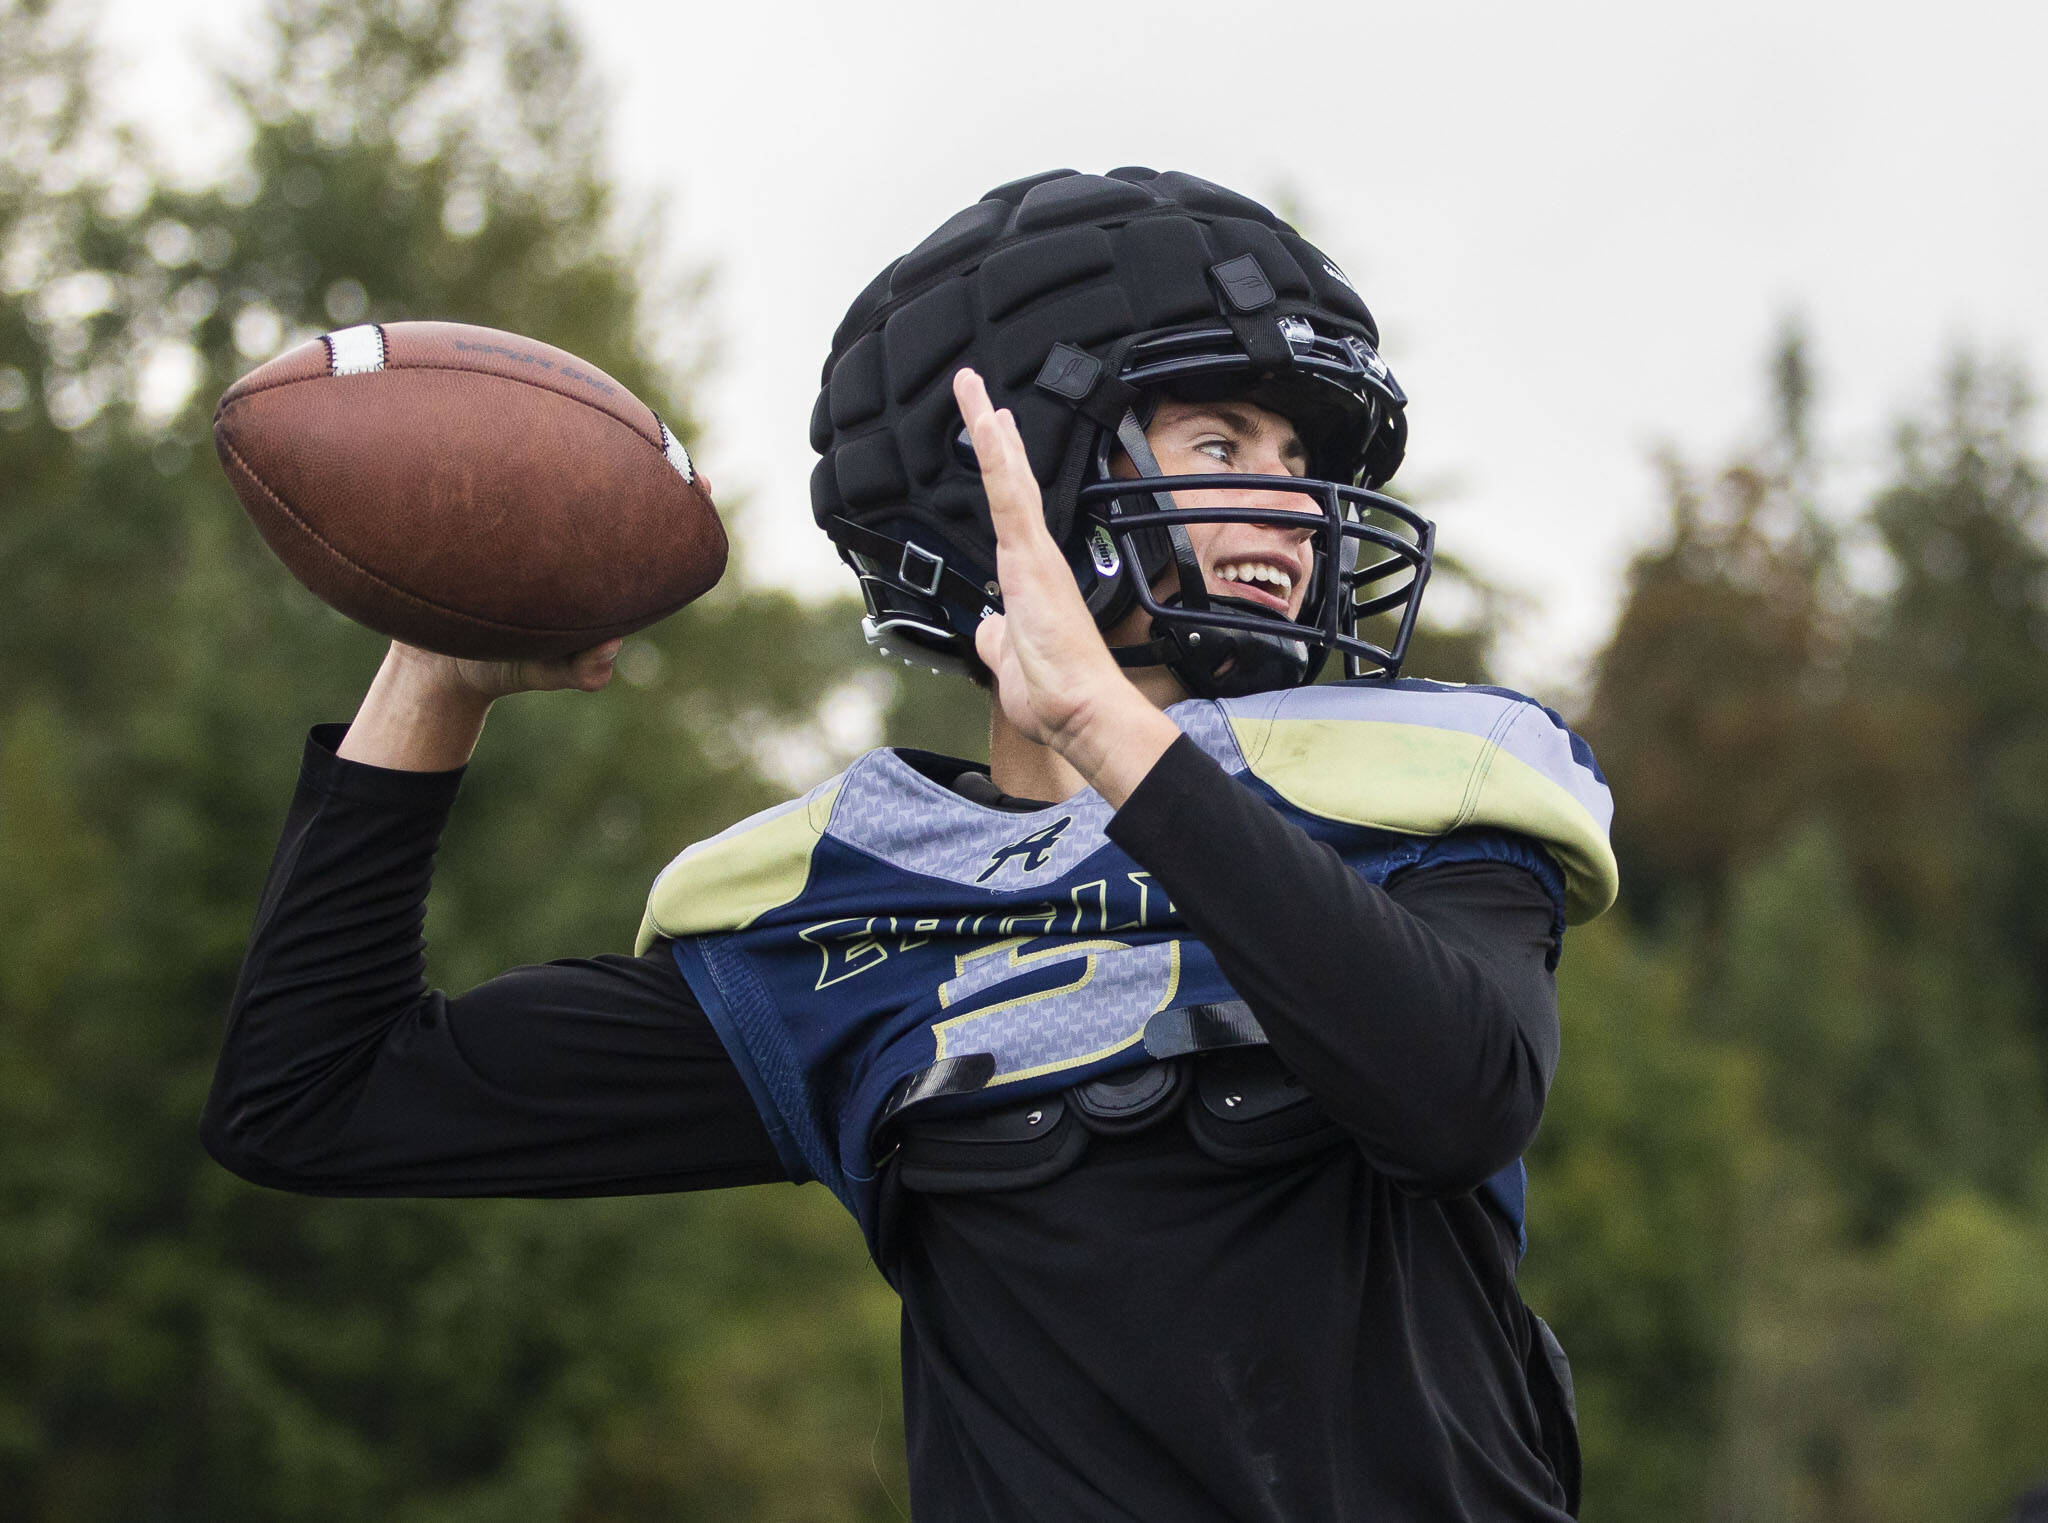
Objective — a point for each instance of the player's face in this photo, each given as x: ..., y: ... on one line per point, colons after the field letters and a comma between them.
x: 1264, y: 564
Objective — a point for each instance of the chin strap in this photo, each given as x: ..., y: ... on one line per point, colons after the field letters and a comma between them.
x: 1193, y: 589
x: 1157, y: 651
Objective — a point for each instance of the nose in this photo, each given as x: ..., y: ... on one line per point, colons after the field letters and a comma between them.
x: 1299, y: 505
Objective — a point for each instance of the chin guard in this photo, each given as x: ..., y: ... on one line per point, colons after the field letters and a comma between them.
x: 1215, y: 662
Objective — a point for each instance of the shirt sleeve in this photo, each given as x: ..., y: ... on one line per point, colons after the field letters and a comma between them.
x: 1423, y: 1015
x: 342, y: 1073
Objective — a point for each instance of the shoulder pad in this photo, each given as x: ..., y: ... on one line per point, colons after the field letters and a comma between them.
x: 738, y: 875
x: 1427, y: 758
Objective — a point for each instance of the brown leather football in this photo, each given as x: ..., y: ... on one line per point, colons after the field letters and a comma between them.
x: 468, y: 491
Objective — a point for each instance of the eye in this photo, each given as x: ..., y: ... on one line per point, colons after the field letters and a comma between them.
x: 1217, y: 449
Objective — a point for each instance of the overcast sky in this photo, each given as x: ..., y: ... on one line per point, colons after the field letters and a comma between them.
x: 1580, y: 225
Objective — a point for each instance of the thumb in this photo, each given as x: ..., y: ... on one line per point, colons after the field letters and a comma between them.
x: 990, y: 637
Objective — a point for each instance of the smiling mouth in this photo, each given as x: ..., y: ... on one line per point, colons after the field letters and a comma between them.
x: 1267, y: 586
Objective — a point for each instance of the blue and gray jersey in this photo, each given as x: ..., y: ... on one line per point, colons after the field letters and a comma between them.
x: 884, y: 942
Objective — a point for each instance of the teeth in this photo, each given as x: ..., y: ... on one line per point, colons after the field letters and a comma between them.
x: 1253, y: 571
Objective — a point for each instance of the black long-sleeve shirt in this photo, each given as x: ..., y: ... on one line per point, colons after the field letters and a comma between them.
x: 1154, y: 1334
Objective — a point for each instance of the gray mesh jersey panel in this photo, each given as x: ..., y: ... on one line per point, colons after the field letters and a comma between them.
x: 892, y: 812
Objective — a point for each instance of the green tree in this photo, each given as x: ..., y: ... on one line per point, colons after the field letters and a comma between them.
x: 181, y: 1344
x: 1956, y: 659
x: 1647, y: 1149
x: 1901, y: 1070
x: 1959, y: 1433
x: 1820, y: 794
x: 1712, y: 696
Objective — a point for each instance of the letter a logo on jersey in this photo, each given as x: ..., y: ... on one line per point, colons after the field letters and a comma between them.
x: 1034, y: 849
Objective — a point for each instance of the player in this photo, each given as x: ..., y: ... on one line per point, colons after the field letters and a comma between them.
x: 1177, y: 1065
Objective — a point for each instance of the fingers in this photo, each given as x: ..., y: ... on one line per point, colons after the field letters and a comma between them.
x: 588, y: 670
x: 592, y: 669
x: 997, y: 445
x: 975, y: 411
x: 585, y: 670
x: 1015, y: 505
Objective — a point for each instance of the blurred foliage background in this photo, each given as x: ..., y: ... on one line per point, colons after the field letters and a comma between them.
x: 1790, y: 1202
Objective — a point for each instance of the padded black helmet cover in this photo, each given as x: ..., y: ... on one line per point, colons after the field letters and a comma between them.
x: 1097, y: 264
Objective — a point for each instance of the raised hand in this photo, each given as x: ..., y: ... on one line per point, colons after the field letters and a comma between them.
x: 1055, y: 679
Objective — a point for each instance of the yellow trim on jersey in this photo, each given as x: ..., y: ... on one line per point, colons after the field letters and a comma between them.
x: 729, y: 881
x: 1419, y: 780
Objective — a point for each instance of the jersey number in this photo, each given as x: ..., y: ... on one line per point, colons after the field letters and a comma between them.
x: 1115, y: 989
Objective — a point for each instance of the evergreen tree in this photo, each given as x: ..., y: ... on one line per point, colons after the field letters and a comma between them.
x: 1956, y: 659
x: 181, y: 1344
x: 1647, y: 1147
x: 1711, y: 699
x: 1817, y: 790
x: 1788, y: 1205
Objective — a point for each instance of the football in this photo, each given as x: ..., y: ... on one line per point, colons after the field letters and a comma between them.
x: 468, y: 491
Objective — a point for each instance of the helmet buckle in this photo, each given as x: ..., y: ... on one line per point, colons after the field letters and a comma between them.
x: 930, y: 568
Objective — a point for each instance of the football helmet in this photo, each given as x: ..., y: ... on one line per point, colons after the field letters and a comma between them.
x: 1081, y: 300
